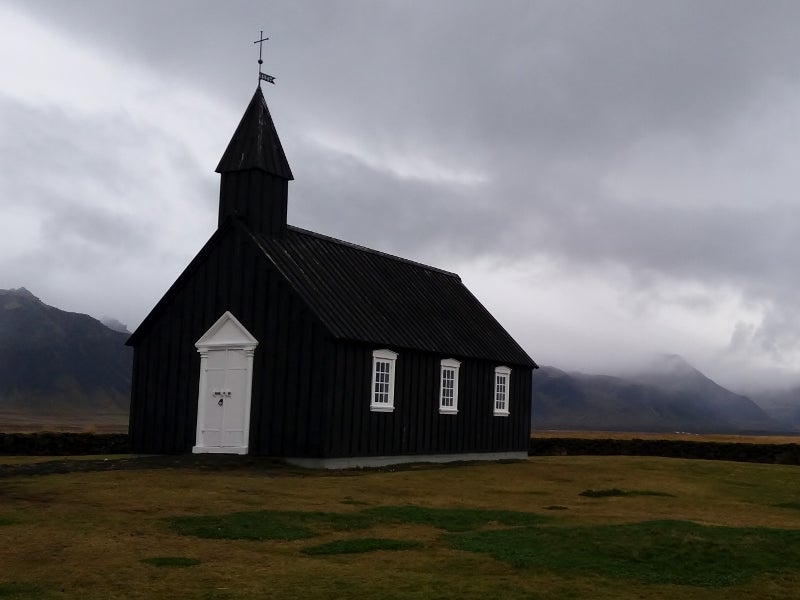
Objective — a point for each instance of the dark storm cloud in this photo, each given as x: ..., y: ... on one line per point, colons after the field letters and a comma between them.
x: 544, y: 102
x: 354, y: 201
x: 526, y: 90
x: 470, y: 78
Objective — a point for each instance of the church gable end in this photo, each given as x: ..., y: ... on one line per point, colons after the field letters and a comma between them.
x: 229, y: 275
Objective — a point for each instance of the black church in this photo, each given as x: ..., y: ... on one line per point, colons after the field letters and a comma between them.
x: 277, y: 341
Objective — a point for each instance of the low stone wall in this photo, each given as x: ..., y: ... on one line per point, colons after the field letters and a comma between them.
x: 63, y: 444
x: 784, y: 454
x: 73, y: 444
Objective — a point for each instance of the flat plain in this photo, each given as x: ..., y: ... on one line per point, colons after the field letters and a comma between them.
x: 545, y: 528
x: 69, y: 421
x: 719, y: 438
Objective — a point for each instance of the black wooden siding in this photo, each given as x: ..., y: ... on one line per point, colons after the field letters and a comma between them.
x: 257, y: 198
x: 285, y: 418
x: 416, y: 426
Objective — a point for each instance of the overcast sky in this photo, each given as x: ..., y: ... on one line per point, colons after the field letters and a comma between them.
x: 611, y: 178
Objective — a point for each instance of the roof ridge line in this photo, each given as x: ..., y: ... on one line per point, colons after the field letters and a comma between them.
x: 371, y: 250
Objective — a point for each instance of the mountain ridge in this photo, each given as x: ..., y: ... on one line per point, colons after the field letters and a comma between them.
x: 55, y: 363
x: 666, y: 395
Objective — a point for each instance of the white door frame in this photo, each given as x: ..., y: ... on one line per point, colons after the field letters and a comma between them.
x: 226, y: 334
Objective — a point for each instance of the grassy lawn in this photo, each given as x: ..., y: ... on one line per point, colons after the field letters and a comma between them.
x: 545, y: 528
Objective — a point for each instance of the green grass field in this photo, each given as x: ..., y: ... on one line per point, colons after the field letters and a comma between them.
x: 546, y: 528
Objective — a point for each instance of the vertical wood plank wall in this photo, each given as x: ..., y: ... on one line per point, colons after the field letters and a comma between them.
x: 416, y: 426
x: 167, y: 366
x: 257, y: 197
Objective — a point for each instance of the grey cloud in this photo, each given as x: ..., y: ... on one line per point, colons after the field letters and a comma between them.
x: 776, y: 334
x: 348, y: 199
x: 546, y: 98
x: 468, y: 78
x: 91, y: 211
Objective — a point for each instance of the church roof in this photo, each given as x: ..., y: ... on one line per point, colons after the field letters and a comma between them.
x: 368, y: 296
x: 364, y: 295
x: 255, y: 143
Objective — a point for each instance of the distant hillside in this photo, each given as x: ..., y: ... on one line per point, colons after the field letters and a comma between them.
x: 669, y: 395
x: 781, y: 405
x: 57, y: 365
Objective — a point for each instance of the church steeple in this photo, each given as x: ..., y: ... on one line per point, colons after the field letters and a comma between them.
x: 255, y: 172
x: 255, y: 144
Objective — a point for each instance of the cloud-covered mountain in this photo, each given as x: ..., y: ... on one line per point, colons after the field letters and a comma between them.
x: 59, y: 365
x: 782, y: 405
x: 666, y: 395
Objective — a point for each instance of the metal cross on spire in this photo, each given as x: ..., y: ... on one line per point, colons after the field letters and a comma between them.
x: 262, y: 76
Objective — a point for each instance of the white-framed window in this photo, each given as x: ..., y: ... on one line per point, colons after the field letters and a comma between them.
x: 382, y: 396
x: 448, y: 387
x: 502, y: 383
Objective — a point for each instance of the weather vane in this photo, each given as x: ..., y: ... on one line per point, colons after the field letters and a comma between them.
x: 262, y: 76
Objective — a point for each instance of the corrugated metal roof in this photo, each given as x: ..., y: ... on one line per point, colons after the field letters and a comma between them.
x: 369, y: 296
x: 255, y: 143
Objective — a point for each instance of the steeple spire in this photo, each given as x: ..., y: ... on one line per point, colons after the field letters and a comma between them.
x: 254, y: 170
x: 255, y: 144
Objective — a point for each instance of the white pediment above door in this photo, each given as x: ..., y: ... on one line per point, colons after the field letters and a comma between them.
x: 227, y: 332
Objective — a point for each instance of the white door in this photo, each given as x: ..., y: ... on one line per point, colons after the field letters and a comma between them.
x: 226, y: 385
x: 226, y: 375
